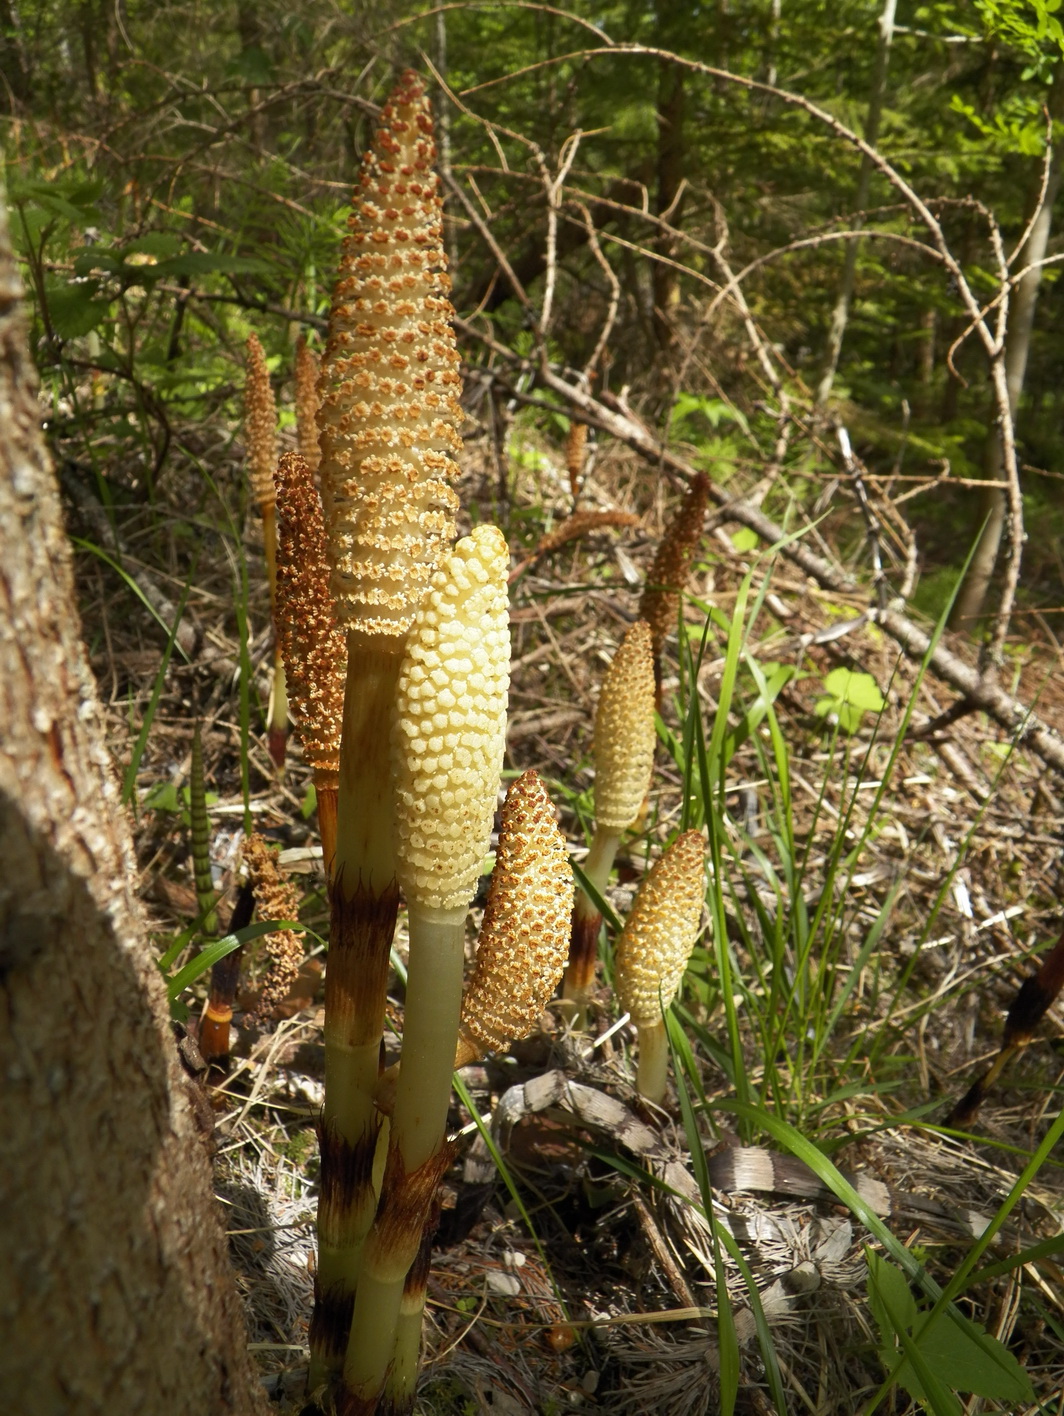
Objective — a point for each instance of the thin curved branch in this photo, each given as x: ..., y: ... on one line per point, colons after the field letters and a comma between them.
x: 984, y: 694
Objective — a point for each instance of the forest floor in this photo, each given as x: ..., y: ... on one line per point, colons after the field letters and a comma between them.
x: 961, y: 860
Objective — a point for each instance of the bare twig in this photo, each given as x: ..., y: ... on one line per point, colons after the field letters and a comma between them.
x: 992, y: 340
x: 1008, y: 712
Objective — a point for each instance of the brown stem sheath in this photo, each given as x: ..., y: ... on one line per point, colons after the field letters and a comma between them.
x: 583, y: 945
x: 326, y: 789
x: 583, y: 950
x: 401, y: 1387
x: 364, y: 898
x: 225, y: 979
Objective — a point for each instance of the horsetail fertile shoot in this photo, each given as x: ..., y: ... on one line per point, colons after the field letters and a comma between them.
x: 312, y: 643
x: 624, y: 760
x: 660, y: 603
x: 276, y: 897
x: 654, y: 948
x: 448, y: 744
x: 260, y: 431
x: 388, y: 417
x: 524, y: 937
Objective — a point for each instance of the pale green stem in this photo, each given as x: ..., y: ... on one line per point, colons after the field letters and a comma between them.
x: 402, y: 1378
x: 599, y: 862
x: 430, y: 1031
x: 419, y: 1125
x: 652, y: 1071
x: 373, y: 1327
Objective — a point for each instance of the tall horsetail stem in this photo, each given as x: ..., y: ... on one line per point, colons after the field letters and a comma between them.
x: 660, y: 603
x: 654, y: 948
x: 448, y: 744
x: 388, y: 418
x: 312, y: 642
x: 520, y: 957
x: 260, y: 432
x: 624, y: 762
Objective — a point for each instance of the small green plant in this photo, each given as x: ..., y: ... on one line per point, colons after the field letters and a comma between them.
x: 848, y: 696
x: 934, y: 1356
x: 169, y: 797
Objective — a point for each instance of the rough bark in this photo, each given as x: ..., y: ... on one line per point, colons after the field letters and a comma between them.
x: 115, y: 1291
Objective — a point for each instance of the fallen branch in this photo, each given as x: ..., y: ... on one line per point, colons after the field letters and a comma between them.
x: 1015, y: 717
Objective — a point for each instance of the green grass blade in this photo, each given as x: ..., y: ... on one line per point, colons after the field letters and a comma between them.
x: 209, y: 956
x: 129, y: 780
x: 135, y: 588
x: 685, y: 1069
x: 942, y: 1298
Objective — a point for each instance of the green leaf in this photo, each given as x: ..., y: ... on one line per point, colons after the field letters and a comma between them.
x: 162, y: 797
x: 969, y: 1361
x: 161, y: 244
x: 849, y: 717
x: 745, y: 540
x: 983, y: 1368
x: 253, y: 65
x: 98, y: 258
x: 74, y: 202
x: 197, y: 966
x: 860, y: 690
x: 891, y: 1301
x: 72, y: 310
x: 201, y: 263
x: 208, y: 957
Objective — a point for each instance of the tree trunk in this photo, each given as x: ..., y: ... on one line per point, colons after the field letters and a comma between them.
x: 15, y: 84
x: 841, y: 313
x: 993, y: 503
x: 115, y: 1291
x: 666, y: 277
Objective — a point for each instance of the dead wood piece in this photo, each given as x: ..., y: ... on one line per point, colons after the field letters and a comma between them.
x: 988, y: 697
x: 556, y: 1094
